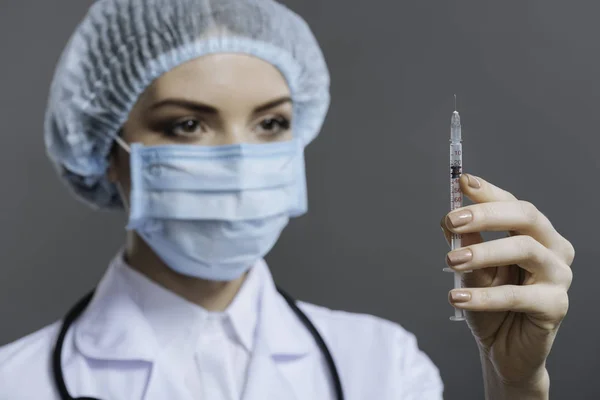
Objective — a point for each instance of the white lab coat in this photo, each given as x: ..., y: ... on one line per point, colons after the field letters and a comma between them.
x: 110, y: 354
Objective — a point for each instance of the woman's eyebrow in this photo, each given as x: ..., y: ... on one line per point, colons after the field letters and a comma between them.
x: 188, y: 104
x: 205, y: 108
x: 272, y: 104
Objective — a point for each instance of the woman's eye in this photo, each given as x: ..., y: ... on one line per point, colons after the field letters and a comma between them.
x: 274, y: 125
x: 186, y: 127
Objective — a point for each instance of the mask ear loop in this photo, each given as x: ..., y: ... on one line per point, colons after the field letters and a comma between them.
x: 125, y: 147
x: 123, y: 144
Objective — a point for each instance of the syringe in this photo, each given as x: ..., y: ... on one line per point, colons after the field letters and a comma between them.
x: 456, y: 197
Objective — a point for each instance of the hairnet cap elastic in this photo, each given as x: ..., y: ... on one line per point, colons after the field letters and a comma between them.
x: 121, y: 46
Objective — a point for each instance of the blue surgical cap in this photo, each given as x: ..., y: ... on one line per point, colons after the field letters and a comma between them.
x: 122, y: 46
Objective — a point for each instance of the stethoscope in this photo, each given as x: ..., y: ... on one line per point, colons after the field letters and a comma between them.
x: 81, y: 305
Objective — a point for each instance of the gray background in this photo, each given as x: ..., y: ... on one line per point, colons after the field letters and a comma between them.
x: 526, y: 75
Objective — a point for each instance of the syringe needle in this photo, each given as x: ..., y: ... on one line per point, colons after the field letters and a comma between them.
x: 455, y: 102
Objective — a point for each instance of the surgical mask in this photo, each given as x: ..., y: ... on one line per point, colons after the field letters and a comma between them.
x: 212, y: 211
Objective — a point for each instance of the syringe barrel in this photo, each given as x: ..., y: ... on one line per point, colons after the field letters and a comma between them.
x: 455, y: 130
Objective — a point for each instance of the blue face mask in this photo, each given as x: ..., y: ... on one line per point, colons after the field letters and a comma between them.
x: 212, y: 211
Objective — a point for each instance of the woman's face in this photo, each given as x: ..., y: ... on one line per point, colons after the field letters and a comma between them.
x: 213, y: 100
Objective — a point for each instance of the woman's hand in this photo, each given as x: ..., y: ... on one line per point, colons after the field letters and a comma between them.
x: 516, y: 296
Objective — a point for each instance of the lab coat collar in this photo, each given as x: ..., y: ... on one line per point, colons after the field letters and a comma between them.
x: 282, y: 331
x: 173, y: 317
x: 114, y: 328
x: 243, y: 310
x: 280, y: 336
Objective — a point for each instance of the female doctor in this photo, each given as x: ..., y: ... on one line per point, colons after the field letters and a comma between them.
x: 192, y: 115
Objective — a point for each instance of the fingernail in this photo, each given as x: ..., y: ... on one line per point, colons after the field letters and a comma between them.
x: 460, y: 296
x: 459, y: 257
x: 473, y: 182
x: 460, y: 218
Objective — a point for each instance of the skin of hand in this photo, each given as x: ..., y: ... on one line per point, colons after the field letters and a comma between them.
x: 516, y: 297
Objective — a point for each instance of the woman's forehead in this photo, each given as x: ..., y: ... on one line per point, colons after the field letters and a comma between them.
x: 220, y: 77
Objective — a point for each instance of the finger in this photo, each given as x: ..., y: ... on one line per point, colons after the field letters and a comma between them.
x: 518, y: 216
x: 542, y: 300
x: 480, y: 191
x: 480, y: 278
x: 525, y: 251
x: 466, y: 239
